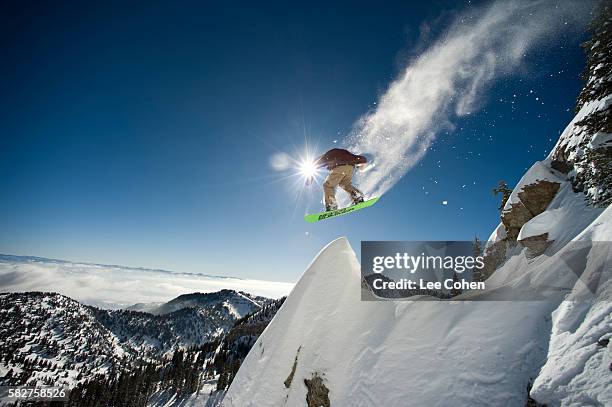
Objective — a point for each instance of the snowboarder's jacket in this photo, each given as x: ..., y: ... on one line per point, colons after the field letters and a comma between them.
x: 337, y: 157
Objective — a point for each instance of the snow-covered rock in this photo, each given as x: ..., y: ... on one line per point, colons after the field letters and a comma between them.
x: 498, y: 234
x: 579, y: 361
x: 566, y: 216
x: 531, y: 196
x: 399, y: 353
x: 540, y: 171
x: 574, y: 137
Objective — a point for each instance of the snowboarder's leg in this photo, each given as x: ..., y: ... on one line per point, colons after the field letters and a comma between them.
x: 334, y: 178
x: 346, y: 184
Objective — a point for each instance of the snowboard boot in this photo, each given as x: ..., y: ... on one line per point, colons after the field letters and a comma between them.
x: 358, y: 200
x: 331, y: 207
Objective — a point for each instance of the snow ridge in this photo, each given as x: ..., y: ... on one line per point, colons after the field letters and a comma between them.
x: 439, y: 352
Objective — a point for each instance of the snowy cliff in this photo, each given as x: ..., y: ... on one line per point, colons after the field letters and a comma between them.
x: 584, y: 150
x: 326, y: 347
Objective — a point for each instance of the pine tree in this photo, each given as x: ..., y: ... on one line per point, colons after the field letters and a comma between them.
x: 597, y: 73
x: 594, y: 169
x: 222, y: 382
x: 502, y: 188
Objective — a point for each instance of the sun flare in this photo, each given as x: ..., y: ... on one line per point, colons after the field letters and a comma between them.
x: 308, y: 168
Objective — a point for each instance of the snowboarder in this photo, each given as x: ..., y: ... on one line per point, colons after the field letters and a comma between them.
x: 341, y: 164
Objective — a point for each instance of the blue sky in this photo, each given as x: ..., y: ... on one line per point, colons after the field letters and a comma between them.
x: 142, y: 135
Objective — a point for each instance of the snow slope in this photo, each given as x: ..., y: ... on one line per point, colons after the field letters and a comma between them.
x: 540, y: 171
x: 577, y: 370
x: 415, y: 353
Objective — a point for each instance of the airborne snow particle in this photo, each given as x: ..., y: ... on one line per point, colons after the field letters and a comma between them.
x: 414, y: 111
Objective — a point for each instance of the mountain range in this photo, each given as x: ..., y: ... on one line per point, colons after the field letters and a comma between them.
x: 48, y: 338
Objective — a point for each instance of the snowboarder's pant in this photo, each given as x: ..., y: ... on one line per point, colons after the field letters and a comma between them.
x: 341, y: 175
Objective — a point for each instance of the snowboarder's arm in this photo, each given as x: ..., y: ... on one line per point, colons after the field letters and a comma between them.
x: 361, y: 159
x: 321, y: 161
x: 358, y: 159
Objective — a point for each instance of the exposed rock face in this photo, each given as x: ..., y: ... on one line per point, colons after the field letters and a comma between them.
x: 289, y: 379
x: 537, y: 197
x: 514, y: 219
x: 533, y: 200
x: 318, y: 393
x: 536, y: 244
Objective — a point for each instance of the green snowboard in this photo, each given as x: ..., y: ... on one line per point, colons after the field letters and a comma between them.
x: 315, y: 217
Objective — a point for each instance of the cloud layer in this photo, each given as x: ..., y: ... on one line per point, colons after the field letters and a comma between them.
x: 116, y: 286
x: 448, y: 80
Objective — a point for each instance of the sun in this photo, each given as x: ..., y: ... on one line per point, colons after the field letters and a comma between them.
x: 307, y: 168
